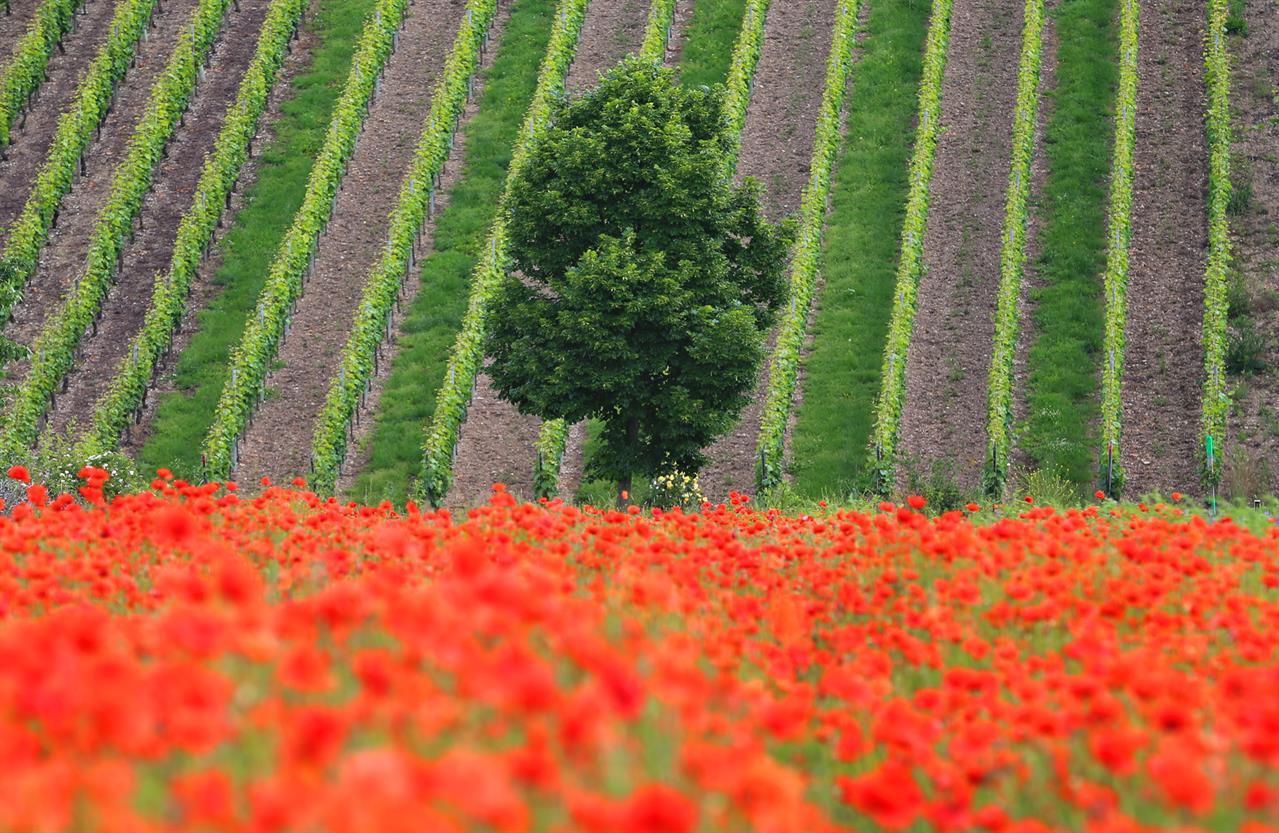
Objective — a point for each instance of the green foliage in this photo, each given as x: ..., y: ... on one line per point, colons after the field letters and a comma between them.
x: 26, y: 72
x: 859, y: 258
x: 709, y: 41
x: 1220, y: 349
x: 783, y: 373
x: 453, y: 396
x: 359, y: 359
x: 648, y: 309
x: 75, y: 131
x: 892, y: 390
x: 742, y: 61
x: 54, y: 351
x: 125, y: 395
x: 1061, y: 365
x: 1115, y: 282
x: 1012, y: 255
x: 431, y: 322
x: 252, y: 358
x: 183, y: 416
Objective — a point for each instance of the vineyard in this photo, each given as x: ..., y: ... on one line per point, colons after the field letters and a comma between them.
x: 256, y: 240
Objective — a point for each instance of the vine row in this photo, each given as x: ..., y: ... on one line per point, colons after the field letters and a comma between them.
x: 783, y: 372
x: 1012, y: 254
x: 26, y: 72
x: 1115, y: 281
x: 54, y: 351
x: 892, y: 392
x: 360, y: 355
x: 126, y: 395
x: 1216, y: 401
x: 251, y: 359
x: 65, y: 159
x: 454, y: 396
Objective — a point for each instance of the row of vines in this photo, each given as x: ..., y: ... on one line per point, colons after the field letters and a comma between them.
x: 295, y: 259
x: 455, y: 392
x: 360, y: 356
x: 1115, y: 282
x: 783, y: 374
x: 54, y: 351
x: 1216, y: 401
x: 1012, y: 255
x: 739, y: 84
x: 892, y: 392
x: 76, y: 129
x: 26, y: 71
x: 126, y: 394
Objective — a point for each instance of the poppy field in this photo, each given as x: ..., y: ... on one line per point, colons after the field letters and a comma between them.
x: 188, y: 659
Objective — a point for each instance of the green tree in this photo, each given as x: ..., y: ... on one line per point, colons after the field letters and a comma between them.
x: 646, y: 279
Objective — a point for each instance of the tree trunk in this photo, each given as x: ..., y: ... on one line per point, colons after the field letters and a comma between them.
x: 624, y: 482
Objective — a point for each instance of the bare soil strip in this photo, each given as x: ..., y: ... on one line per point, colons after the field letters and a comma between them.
x: 1163, y: 362
x: 496, y: 444
x: 278, y: 441
x: 14, y: 25
x: 1252, y: 448
x: 943, y: 422
x: 62, y: 257
x: 358, y: 456
x: 33, y: 133
x: 777, y: 146
x: 162, y: 212
x: 203, y: 286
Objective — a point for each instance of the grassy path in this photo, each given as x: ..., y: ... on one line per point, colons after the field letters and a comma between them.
x: 842, y: 373
x: 184, y: 412
x: 1063, y: 365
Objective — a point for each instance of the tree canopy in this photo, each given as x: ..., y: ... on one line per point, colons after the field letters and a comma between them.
x: 645, y: 279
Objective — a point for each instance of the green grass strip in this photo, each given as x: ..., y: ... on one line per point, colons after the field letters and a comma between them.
x: 433, y: 319
x: 26, y: 72
x: 453, y: 398
x: 1062, y: 369
x: 124, y: 398
x: 1115, y: 281
x: 892, y: 390
x: 783, y: 374
x: 75, y: 131
x: 1012, y: 254
x: 371, y: 328
x: 553, y: 437
x: 251, y: 360
x: 859, y: 258
x: 1216, y: 400
x: 709, y: 40
x: 183, y: 416
x: 54, y: 351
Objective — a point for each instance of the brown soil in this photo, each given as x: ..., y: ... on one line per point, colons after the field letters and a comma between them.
x: 175, y: 184
x: 943, y: 423
x: 14, y: 25
x: 1038, y: 179
x: 1163, y: 366
x: 32, y: 135
x: 496, y: 444
x: 63, y: 255
x: 1252, y: 449
x: 777, y: 146
x: 278, y: 442
x: 203, y: 287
